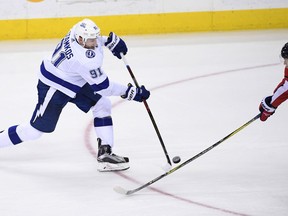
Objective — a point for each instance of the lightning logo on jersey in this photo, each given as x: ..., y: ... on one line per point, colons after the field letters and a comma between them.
x: 40, y: 112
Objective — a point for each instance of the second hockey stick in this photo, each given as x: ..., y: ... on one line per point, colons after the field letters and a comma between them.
x: 148, y: 110
x: 129, y: 192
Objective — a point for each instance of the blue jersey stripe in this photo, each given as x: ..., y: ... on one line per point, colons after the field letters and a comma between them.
x: 101, y: 86
x: 58, y: 80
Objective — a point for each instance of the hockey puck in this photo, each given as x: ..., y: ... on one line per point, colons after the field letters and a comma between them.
x: 176, y: 159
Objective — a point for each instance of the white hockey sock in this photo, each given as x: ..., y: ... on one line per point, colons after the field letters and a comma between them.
x: 4, y: 139
x: 17, y: 134
x: 105, y: 134
x: 104, y: 130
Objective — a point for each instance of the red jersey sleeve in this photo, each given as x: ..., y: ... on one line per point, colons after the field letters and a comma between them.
x: 281, y: 92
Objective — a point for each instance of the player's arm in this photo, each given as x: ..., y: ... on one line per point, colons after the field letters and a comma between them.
x: 269, y: 104
x: 280, y: 93
x: 126, y: 92
x: 101, y: 84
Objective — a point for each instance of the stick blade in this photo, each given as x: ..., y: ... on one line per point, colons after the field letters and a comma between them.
x: 120, y: 190
x: 167, y: 167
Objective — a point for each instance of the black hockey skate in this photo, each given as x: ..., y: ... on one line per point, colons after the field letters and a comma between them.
x: 109, y: 161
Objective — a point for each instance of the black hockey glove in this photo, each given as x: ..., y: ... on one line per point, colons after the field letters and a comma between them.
x: 116, y: 45
x: 137, y: 94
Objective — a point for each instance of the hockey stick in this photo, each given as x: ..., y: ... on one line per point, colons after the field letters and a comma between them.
x: 148, y: 110
x: 128, y: 192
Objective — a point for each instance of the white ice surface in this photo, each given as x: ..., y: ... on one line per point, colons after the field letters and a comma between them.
x: 203, y: 86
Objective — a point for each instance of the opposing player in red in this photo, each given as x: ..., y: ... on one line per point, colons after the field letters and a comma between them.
x: 270, y: 103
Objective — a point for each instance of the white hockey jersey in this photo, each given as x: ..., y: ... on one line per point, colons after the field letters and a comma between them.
x: 71, y: 66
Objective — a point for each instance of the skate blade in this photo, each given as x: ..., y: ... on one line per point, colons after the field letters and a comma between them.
x: 109, y: 167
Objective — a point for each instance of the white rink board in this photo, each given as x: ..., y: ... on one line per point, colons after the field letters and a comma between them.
x: 19, y: 9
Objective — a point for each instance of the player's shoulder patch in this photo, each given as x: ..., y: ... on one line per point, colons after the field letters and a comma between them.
x: 90, y: 54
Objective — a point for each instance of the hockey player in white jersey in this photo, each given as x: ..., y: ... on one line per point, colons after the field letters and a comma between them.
x: 74, y: 74
x: 269, y: 104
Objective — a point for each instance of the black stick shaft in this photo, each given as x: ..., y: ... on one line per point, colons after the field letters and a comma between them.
x: 193, y: 158
x: 148, y: 110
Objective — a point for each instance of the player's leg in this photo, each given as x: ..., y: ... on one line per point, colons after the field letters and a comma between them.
x: 48, y: 109
x: 17, y: 134
x: 44, y: 119
x: 103, y: 126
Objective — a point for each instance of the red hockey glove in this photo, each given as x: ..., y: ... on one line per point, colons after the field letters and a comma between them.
x: 266, y: 109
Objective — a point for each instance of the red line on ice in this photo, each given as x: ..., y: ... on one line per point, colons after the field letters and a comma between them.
x: 93, y: 151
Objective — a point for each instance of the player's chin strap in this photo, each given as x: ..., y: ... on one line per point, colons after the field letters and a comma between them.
x: 148, y: 110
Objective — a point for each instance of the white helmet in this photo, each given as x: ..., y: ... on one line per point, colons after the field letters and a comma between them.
x: 86, y: 29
